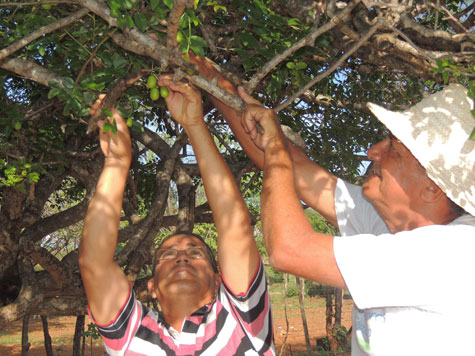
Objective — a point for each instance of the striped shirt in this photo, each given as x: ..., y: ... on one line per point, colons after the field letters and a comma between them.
x: 231, y: 325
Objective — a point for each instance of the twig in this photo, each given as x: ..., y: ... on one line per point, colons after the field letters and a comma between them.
x: 403, y: 35
x: 333, y: 67
x: 35, y: 3
x: 93, y: 54
x: 306, y: 41
x: 42, y: 31
x: 450, y: 16
x: 113, y: 95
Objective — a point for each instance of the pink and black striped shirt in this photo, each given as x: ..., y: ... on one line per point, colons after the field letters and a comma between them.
x: 232, y: 325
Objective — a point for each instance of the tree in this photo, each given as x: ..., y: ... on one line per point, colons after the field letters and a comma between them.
x: 316, y: 62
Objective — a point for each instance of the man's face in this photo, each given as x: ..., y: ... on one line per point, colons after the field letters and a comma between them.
x: 190, y: 271
x: 396, y: 180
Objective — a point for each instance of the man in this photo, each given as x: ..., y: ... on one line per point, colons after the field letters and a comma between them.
x: 202, y: 311
x: 406, y: 254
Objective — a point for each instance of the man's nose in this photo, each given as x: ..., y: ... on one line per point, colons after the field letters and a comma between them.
x: 376, y: 151
x: 181, y: 256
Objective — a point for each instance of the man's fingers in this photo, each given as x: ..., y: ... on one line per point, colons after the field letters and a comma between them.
x: 247, y: 98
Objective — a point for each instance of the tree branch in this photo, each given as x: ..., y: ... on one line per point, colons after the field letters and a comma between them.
x: 333, y: 67
x: 42, y: 31
x: 308, y: 40
x: 31, y: 70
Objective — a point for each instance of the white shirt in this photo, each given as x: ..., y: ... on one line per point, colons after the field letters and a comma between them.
x: 412, y: 290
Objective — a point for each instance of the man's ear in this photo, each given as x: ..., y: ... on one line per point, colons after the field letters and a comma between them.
x: 217, y: 278
x: 151, y: 288
x: 431, y: 193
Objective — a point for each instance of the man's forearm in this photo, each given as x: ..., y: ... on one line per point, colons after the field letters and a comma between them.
x: 99, y: 238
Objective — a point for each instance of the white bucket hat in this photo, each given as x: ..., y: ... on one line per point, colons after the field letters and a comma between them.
x: 436, y: 131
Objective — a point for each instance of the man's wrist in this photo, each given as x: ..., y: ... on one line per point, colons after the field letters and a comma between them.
x: 118, y: 163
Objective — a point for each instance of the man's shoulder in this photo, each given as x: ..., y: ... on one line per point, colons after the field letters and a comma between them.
x: 465, y: 219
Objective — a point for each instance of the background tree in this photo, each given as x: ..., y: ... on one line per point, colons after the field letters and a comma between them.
x: 315, y: 62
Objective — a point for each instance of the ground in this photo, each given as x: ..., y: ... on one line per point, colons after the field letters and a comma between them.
x: 62, y: 330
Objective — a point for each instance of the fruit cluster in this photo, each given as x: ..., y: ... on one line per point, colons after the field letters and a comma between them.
x: 155, y: 91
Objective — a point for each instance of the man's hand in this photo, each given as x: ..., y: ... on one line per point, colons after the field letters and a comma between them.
x: 116, y: 148
x: 257, y: 115
x: 183, y: 101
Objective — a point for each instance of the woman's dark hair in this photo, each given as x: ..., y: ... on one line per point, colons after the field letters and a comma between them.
x: 212, y: 258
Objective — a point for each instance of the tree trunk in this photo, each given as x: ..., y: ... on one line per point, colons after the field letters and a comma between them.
x: 300, y: 289
x: 332, y: 340
x: 78, y: 332
x: 25, y: 345
x: 284, y: 343
x: 338, y: 306
x: 48, y: 346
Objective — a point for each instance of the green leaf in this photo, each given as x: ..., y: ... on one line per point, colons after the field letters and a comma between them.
x: 472, y: 135
x: 300, y: 65
x: 41, y: 51
x: 197, y: 44
x: 114, y: 128
x: 122, y: 22
x: 446, y: 77
x: 33, y: 177
x: 154, y: 4
x: 168, y: 3
x: 107, y: 112
x: 106, y: 127
x: 118, y: 61
x: 53, y: 92
x: 248, y: 40
x: 68, y: 82
x: 141, y: 21
x: 130, y: 20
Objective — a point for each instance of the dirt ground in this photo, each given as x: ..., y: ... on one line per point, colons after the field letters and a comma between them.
x: 62, y: 331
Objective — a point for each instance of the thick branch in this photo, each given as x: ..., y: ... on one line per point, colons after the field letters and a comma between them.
x: 174, y: 21
x: 29, y: 295
x: 31, y: 70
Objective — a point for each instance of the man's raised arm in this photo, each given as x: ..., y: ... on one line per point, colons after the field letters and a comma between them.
x: 238, y: 255
x: 106, y: 285
x: 314, y: 185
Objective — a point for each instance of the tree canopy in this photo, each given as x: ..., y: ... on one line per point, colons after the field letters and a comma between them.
x: 317, y: 63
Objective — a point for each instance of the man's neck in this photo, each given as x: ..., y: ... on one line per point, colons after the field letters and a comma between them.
x: 177, y: 309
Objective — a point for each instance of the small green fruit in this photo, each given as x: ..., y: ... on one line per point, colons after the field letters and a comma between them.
x: 179, y: 37
x: 130, y: 122
x: 17, y: 125
x: 164, y: 92
x: 290, y: 65
x: 154, y: 94
x: 151, y: 81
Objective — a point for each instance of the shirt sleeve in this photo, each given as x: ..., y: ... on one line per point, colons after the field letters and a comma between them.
x: 252, y: 310
x: 354, y: 212
x: 118, y: 334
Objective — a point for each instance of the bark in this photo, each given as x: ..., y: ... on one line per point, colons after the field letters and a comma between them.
x: 300, y: 289
x: 287, y: 325
x: 48, y: 345
x: 25, y: 345
x: 78, y: 335
x: 329, y: 319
